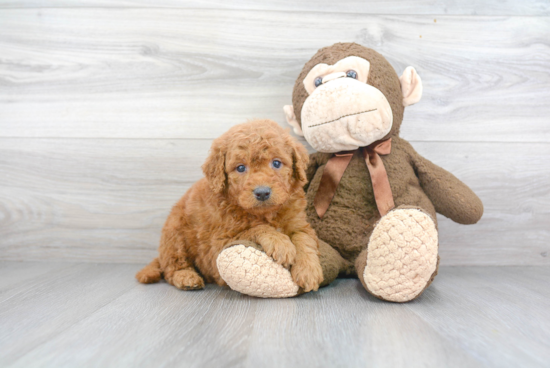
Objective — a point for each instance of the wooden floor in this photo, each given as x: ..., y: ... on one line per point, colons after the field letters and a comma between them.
x: 83, y: 314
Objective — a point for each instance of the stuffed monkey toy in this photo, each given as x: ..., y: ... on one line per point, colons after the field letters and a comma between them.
x: 371, y: 198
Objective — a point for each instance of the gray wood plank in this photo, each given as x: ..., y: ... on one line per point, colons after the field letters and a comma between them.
x: 188, y: 73
x: 166, y: 322
x: 106, y: 200
x: 15, y: 274
x: 106, y: 196
x: 470, y: 316
x: 46, y: 306
x: 492, y: 313
x: 345, y: 327
x: 465, y: 7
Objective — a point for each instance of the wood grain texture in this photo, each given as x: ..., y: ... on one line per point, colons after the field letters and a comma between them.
x: 449, y: 7
x: 191, y: 73
x: 17, y: 274
x: 106, y: 200
x: 499, y: 306
x: 97, y: 315
x: 47, y: 305
x: 129, y: 100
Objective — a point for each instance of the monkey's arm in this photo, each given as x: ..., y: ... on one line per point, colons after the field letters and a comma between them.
x: 451, y: 197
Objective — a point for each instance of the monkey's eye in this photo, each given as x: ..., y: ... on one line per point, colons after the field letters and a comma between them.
x: 276, y: 164
x: 241, y: 168
x: 351, y: 74
x: 318, y: 81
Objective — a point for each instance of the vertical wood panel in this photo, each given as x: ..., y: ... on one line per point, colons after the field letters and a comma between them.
x: 406, y: 7
x: 148, y: 89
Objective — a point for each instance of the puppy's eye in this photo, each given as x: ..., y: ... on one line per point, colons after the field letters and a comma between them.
x: 318, y: 81
x: 351, y: 74
x: 277, y: 164
x: 241, y: 168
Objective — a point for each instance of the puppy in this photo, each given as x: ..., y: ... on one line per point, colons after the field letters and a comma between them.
x: 253, y: 191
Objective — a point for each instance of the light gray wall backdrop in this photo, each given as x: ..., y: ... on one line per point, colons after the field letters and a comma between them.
x: 108, y: 108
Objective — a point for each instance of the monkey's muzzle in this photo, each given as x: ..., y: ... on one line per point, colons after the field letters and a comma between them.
x: 345, y: 114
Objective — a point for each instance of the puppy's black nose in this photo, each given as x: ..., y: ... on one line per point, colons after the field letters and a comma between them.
x: 262, y: 193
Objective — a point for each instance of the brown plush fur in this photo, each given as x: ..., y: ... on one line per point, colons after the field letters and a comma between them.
x: 349, y: 221
x: 221, y: 209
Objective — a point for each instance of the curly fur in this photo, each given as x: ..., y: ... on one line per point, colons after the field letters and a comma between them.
x: 221, y: 209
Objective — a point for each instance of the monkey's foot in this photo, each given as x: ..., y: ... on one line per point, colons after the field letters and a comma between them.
x: 402, y: 255
x: 252, y: 272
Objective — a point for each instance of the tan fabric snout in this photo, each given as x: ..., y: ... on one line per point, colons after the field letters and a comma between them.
x: 345, y: 114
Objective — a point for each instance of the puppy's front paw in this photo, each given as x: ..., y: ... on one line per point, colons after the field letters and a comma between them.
x: 187, y: 280
x: 281, y: 249
x: 307, y: 274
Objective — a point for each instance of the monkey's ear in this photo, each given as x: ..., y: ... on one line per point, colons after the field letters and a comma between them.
x: 214, y: 167
x: 411, y: 86
x: 291, y: 119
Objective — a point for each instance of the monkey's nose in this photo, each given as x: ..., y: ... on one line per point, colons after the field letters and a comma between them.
x: 262, y: 193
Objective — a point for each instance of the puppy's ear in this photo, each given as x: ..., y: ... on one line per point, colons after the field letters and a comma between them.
x: 300, y: 159
x: 214, y: 167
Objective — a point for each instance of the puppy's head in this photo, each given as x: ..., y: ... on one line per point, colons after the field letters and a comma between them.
x: 256, y: 165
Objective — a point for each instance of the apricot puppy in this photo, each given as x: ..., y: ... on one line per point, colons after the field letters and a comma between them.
x: 252, y: 194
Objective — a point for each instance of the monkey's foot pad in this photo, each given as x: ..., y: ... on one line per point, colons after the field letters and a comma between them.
x: 402, y: 255
x: 252, y: 272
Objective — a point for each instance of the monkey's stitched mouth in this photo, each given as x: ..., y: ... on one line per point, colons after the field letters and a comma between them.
x: 341, y: 117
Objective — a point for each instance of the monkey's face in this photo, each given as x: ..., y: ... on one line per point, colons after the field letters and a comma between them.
x: 342, y: 111
x: 349, y: 96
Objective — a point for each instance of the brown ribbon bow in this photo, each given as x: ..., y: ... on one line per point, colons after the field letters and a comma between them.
x: 334, y: 170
